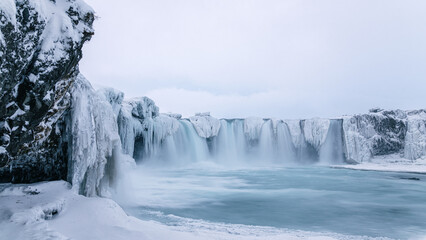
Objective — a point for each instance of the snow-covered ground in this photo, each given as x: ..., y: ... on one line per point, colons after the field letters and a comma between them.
x: 51, y: 210
x: 391, y: 163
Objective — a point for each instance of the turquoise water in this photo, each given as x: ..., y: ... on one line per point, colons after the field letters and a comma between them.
x: 319, y: 199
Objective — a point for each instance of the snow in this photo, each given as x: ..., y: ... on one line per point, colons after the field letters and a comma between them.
x: 8, y: 10
x: 51, y: 210
x: 60, y: 29
x: 205, y: 125
x: 19, y: 112
x: 390, y: 163
x: 2, y: 150
x: 94, y: 137
x: 48, y: 95
x: 173, y: 115
x: 315, y: 131
x: 32, y: 78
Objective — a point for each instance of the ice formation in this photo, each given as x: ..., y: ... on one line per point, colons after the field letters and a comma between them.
x: 415, y: 139
x: 139, y: 123
x: 94, y: 137
x: 252, y: 127
x: 205, y: 125
x: 315, y: 131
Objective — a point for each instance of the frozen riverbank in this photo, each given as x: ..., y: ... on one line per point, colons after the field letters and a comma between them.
x: 50, y: 210
x: 390, y: 164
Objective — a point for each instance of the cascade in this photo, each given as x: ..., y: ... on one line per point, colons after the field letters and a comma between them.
x: 332, y: 151
x: 254, y: 141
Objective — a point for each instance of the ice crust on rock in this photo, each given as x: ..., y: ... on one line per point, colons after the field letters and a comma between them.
x: 113, y: 96
x: 140, y: 119
x: 358, y: 139
x: 8, y: 10
x: 205, y: 125
x: 252, y: 127
x: 376, y: 133
x: 315, y: 131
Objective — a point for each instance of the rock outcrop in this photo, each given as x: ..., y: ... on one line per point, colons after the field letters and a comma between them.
x: 40, y: 46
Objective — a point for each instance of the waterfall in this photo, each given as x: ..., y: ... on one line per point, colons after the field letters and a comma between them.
x: 332, y: 151
x: 239, y: 142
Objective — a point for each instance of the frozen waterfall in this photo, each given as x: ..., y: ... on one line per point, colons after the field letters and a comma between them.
x: 253, y: 141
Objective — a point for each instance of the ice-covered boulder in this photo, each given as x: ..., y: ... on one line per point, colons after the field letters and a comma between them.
x: 205, y: 125
x: 40, y: 47
x: 143, y: 108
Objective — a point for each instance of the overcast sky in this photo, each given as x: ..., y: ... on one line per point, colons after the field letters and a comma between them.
x: 267, y: 58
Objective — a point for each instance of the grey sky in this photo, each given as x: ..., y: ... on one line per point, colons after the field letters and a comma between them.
x: 268, y: 58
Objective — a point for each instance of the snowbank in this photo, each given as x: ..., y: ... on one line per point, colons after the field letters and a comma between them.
x: 390, y: 163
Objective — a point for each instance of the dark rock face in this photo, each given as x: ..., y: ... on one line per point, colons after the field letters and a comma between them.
x: 39, y: 55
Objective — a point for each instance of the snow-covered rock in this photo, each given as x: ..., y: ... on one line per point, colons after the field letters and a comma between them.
x: 376, y: 133
x: 205, y: 125
x: 40, y: 45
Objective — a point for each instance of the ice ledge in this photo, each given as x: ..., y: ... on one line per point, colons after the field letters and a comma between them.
x: 205, y: 125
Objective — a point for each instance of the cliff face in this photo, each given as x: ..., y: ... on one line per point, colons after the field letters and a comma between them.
x: 40, y: 46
